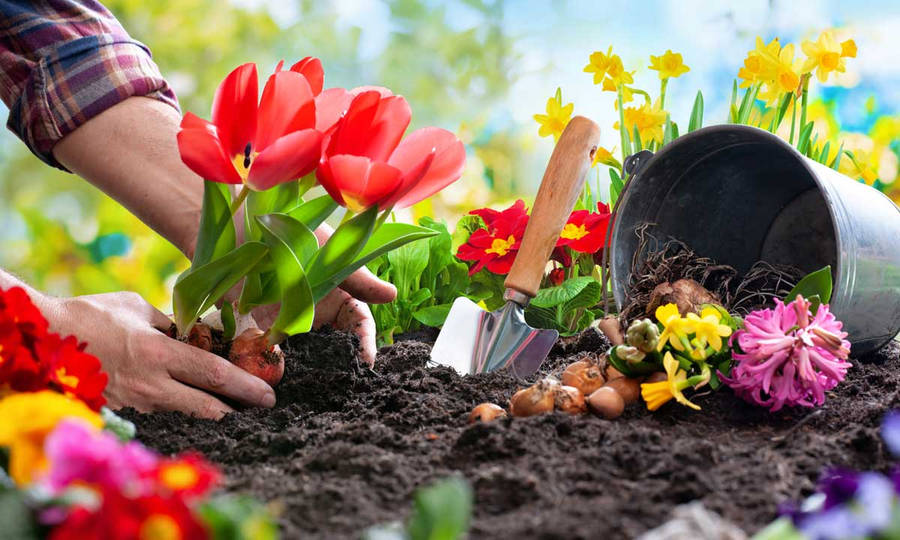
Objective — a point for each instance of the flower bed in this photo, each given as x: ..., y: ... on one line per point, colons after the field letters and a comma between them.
x: 346, y: 447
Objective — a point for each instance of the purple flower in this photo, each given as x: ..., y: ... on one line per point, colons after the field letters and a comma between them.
x: 864, y: 513
x: 789, y: 357
x: 838, y: 486
x: 890, y: 432
x: 80, y: 455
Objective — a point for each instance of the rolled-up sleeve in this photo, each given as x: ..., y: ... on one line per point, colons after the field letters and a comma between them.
x: 62, y: 63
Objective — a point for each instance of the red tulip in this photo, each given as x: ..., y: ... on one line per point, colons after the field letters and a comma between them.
x: 260, y: 143
x: 367, y: 162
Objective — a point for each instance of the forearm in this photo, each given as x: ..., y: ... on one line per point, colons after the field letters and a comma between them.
x: 130, y: 152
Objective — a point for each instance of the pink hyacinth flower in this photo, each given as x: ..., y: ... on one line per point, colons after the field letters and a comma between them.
x: 790, y: 357
x: 80, y: 455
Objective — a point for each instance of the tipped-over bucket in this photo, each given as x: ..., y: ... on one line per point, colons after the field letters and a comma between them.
x: 739, y: 194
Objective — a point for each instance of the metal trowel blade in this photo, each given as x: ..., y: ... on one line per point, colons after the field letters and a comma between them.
x: 477, y: 341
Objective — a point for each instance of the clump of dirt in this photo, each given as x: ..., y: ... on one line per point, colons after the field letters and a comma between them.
x: 346, y: 446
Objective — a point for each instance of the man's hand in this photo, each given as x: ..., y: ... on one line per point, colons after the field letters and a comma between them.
x: 148, y: 370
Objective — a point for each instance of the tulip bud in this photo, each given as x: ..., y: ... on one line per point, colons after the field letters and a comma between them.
x: 557, y: 276
x: 643, y: 334
x: 632, y: 355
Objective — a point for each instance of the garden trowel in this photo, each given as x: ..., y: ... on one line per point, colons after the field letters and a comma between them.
x: 477, y: 341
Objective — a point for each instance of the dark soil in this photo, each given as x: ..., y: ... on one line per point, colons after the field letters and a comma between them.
x: 346, y: 446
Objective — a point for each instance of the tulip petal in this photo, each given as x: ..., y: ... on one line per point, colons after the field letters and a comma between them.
x: 288, y: 158
x: 287, y: 105
x: 372, y: 126
x: 446, y: 168
x: 234, y: 108
x: 382, y: 91
x: 359, y: 181
x: 330, y: 106
x: 311, y: 68
x: 202, y: 151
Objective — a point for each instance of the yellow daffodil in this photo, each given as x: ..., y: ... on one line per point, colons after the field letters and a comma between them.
x: 659, y: 393
x: 669, y: 65
x: 648, y: 119
x: 556, y: 119
x: 604, y: 156
x: 787, y: 72
x: 759, y: 66
x: 598, y: 63
x: 675, y: 328
x: 616, y: 73
x: 709, y: 329
x: 627, y: 92
x: 826, y: 55
x: 27, y: 420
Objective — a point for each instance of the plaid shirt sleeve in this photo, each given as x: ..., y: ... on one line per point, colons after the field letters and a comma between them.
x: 62, y: 62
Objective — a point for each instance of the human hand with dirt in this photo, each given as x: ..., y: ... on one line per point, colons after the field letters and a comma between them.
x: 147, y: 369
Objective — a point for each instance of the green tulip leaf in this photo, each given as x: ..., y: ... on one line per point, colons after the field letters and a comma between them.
x: 312, y: 213
x: 216, y: 236
x: 290, y: 242
x: 228, y: 322
x: 816, y: 284
x: 388, y: 237
x: 441, y: 511
x: 199, y: 288
x: 696, y: 121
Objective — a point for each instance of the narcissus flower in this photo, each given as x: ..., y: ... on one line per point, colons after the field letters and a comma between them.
x: 786, y: 72
x: 789, y: 356
x: 367, y: 162
x: 759, y: 66
x: 557, y: 117
x: 27, y: 420
x: 495, y: 247
x: 826, y: 55
x: 648, y: 119
x: 259, y: 142
x: 659, y: 393
x: 669, y: 65
x: 149, y: 517
x: 598, y: 64
x: 675, y: 328
x: 585, y: 231
x: 616, y: 73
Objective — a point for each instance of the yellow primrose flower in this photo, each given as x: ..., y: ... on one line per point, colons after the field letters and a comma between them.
x: 556, y: 119
x: 709, y: 329
x: 669, y: 65
x: 648, y: 119
x: 659, y: 393
x: 826, y: 55
x: 760, y: 62
x: 28, y: 418
x: 675, y: 328
x: 616, y: 73
x: 598, y: 63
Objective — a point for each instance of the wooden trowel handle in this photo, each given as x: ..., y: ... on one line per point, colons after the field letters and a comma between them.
x: 556, y: 197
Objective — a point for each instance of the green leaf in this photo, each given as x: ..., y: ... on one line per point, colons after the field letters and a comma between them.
x: 407, y: 265
x: 542, y: 317
x: 277, y: 199
x: 294, y: 233
x: 433, y: 315
x: 418, y: 296
x: 228, y: 322
x: 780, y: 529
x: 339, y: 252
x: 645, y: 367
x: 312, y: 213
x: 637, y: 141
x: 803, y: 138
x: 732, y: 105
x: 441, y: 511
x: 746, y: 107
x: 118, y: 426
x: 568, y: 290
x: 782, y: 110
x: 16, y: 517
x: 237, y: 517
x: 668, y: 134
x: 696, y: 121
x: 198, y: 289
x: 297, y: 310
x: 616, y: 185
x: 817, y: 283
x: 216, y: 236
x: 837, y: 159
x: 586, y: 297
x: 389, y: 236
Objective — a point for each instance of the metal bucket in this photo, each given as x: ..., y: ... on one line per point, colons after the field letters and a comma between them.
x: 739, y: 194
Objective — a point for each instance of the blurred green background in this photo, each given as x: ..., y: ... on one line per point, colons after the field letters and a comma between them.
x: 481, y: 68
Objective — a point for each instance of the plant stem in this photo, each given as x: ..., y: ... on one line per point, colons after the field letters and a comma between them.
x: 662, y: 92
x: 804, y: 94
x: 242, y: 196
x: 793, y: 119
x: 382, y: 218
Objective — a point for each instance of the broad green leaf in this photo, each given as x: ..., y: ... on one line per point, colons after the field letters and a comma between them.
x: 294, y: 233
x: 542, y: 317
x: 433, y: 315
x: 568, y: 290
x: 228, y: 322
x: 817, y: 283
x: 466, y: 225
x: 780, y: 529
x: 418, y: 297
x: 295, y: 316
x: 216, y: 236
x: 199, y: 288
x: 236, y: 517
x: 407, y: 265
x: 586, y: 297
x: 441, y: 511
x: 277, y: 199
x: 312, y: 213
x: 339, y: 252
x: 696, y: 121
x: 389, y: 236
